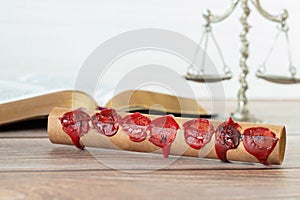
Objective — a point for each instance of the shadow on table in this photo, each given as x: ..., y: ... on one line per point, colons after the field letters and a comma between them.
x: 40, y: 123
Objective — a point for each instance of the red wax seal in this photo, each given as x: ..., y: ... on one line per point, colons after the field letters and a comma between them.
x: 135, y: 126
x: 163, y: 132
x: 227, y: 137
x: 197, y: 132
x: 259, y: 142
x: 75, y: 124
x: 105, y: 122
x: 101, y: 108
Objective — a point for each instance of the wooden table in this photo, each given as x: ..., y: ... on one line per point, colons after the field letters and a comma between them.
x: 33, y: 168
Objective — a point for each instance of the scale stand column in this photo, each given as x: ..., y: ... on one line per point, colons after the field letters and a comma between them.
x: 242, y: 113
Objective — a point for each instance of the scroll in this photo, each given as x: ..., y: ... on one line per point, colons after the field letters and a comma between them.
x: 224, y: 140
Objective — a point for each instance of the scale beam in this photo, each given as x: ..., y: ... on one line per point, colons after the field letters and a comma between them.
x: 218, y: 18
x: 275, y: 18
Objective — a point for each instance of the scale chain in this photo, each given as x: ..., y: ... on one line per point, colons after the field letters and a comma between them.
x: 283, y: 28
x: 192, y: 69
x: 292, y: 69
x: 205, y: 37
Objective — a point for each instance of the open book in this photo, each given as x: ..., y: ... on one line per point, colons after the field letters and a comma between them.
x: 21, y: 100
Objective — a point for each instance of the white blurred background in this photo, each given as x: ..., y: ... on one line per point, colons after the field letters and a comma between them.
x: 55, y: 37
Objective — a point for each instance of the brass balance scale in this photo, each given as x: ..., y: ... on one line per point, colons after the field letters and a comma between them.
x: 242, y: 112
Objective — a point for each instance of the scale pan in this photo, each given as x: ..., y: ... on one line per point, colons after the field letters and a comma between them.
x: 207, y: 78
x: 278, y: 79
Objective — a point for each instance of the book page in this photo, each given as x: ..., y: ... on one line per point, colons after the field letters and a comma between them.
x: 47, y: 82
x: 11, y: 91
x: 31, y: 85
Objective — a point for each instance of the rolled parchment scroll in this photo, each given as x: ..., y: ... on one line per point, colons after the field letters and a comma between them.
x: 224, y: 140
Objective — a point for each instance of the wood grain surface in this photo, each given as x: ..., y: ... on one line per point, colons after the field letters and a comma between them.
x: 33, y: 168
